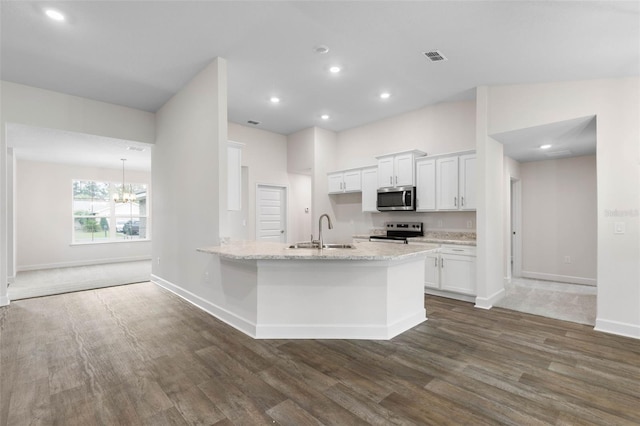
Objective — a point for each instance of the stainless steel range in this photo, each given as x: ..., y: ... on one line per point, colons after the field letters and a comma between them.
x: 398, y: 232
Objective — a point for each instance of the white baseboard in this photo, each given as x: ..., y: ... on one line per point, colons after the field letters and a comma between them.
x: 488, y: 302
x: 223, y: 315
x: 559, y: 278
x: 449, y: 295
x: 330, y: 331
x: 72, y: 264
x: 619, y: 328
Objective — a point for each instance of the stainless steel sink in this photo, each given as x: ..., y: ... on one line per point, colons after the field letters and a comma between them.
x: 338, y: 246
x: 309, y: 245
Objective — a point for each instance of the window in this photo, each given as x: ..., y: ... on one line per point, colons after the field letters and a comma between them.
x: 98, y: 218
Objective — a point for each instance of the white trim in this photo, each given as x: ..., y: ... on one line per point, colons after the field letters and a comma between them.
x: 95, y: 243
x: 239, y: 323
x: 450, y: 295
x: 559, y: 278
x: 330, y: 331
x: 4, y: 301
x: 619, y: 328
x: 82, y: 263
x: 488, y: 302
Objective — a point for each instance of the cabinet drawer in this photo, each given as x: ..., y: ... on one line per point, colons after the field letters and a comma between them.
x: 461, y: 250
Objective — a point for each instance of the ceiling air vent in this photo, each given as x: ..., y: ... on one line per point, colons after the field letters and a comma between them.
x: 255, y: 123
x: 135, y: 148
x: 435, y: 56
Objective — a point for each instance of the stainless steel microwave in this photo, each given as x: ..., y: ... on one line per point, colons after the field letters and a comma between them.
x: 398, y: 198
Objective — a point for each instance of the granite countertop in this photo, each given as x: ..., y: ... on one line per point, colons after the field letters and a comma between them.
x: 435, y: 237
x: 260, y: 250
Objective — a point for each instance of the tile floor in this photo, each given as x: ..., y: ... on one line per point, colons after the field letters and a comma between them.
x: 569, y: 302
x: 46, y: 282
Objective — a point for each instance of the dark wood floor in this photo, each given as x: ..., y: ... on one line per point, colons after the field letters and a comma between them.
x: 139, y: 355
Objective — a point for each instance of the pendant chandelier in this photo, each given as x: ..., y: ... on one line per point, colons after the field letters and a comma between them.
x: 123, y: 196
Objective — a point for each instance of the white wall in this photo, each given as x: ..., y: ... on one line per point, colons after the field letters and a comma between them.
x: 325, y: 151
x: 265, y: 156
x: 559, y: 219
x: 43, y: 108
x: 189, y: 179
x: 44, y: 211
x: 436, y: 129
x: 616, y: 105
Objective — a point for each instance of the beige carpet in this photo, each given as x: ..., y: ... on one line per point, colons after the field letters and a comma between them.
x: 46, y: 282
x: 569, y: 302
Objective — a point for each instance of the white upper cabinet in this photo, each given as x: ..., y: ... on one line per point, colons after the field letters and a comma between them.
x: 447, y: 183
x: 397, y: 169
x: 369, y: 189
x: 425, y: 184
x: 346, y: 181
x: 467, y: 184
x: 385, y: 172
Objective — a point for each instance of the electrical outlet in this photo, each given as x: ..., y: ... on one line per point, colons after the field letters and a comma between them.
x: 206, y: 277
x: 619, y: 228
x: 158, y: 261
x: 567, y: 259
x: 469, y: 224
x: 440, y: 223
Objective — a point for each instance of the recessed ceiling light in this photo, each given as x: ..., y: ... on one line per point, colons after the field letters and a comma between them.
x: 546, y: 146
x: 385, y: 95
x: 334, y: 69
x: 325, y: 116
x: 274, y: 99
x: 54, y: 14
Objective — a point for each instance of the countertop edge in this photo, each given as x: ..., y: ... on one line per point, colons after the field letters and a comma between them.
x: 310, y: 254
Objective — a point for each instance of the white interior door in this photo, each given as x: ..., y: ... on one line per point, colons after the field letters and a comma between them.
x: 271, y: 213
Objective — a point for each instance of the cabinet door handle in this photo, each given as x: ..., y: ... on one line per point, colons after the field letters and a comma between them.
x: 441, y: 262
x: 461, y: 201
x: 390, y: 180
x: 396, y: 180
x: 455, y: 201
x: 436, y: 264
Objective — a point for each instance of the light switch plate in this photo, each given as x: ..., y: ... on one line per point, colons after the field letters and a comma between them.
x: 619, y: 228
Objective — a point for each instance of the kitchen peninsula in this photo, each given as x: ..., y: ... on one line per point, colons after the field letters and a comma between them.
x: 370, y: 291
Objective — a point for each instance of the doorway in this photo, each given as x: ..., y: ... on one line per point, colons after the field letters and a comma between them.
x: 71, y: 227
x: 271, y: 213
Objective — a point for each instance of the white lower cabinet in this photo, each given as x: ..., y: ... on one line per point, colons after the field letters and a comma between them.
x: 452, y: 269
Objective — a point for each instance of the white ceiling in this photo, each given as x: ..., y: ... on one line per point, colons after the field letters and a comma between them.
x: 140, y: 53
x: 57, y: 146
x: 569, y: 138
